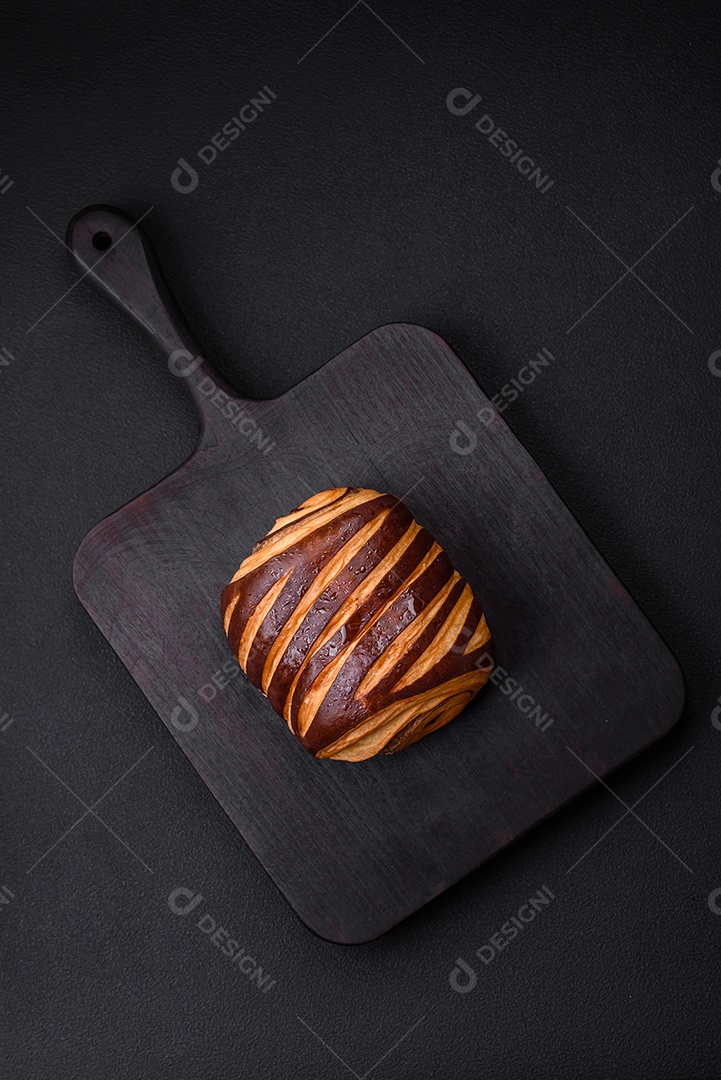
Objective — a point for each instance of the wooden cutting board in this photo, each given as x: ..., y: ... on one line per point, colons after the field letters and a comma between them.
x: 357, y: 847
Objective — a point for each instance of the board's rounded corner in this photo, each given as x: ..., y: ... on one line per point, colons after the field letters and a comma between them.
x: 81, y: 564
x: 431, y: 337
x: 412, y: 327
x: 78, y: 565
x: 333, y: 935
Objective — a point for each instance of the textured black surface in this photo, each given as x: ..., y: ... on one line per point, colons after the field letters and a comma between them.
x: 357, y: 199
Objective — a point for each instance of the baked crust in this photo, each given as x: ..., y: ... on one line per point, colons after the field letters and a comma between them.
x: 349, y: 617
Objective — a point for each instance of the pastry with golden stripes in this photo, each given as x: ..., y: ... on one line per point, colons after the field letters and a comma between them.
x: 349, y: 617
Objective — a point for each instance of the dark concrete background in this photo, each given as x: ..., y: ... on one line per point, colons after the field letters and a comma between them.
x: 356, y: 198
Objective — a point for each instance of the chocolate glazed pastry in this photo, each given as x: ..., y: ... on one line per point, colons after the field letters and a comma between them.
x: 351, y: 620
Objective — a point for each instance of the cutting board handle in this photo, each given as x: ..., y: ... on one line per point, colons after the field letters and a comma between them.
x: 115, y: 255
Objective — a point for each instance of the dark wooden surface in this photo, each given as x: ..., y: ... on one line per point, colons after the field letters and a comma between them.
x: 355, y: 848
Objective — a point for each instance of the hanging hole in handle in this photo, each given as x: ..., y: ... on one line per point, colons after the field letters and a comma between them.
x: 102, y: 241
